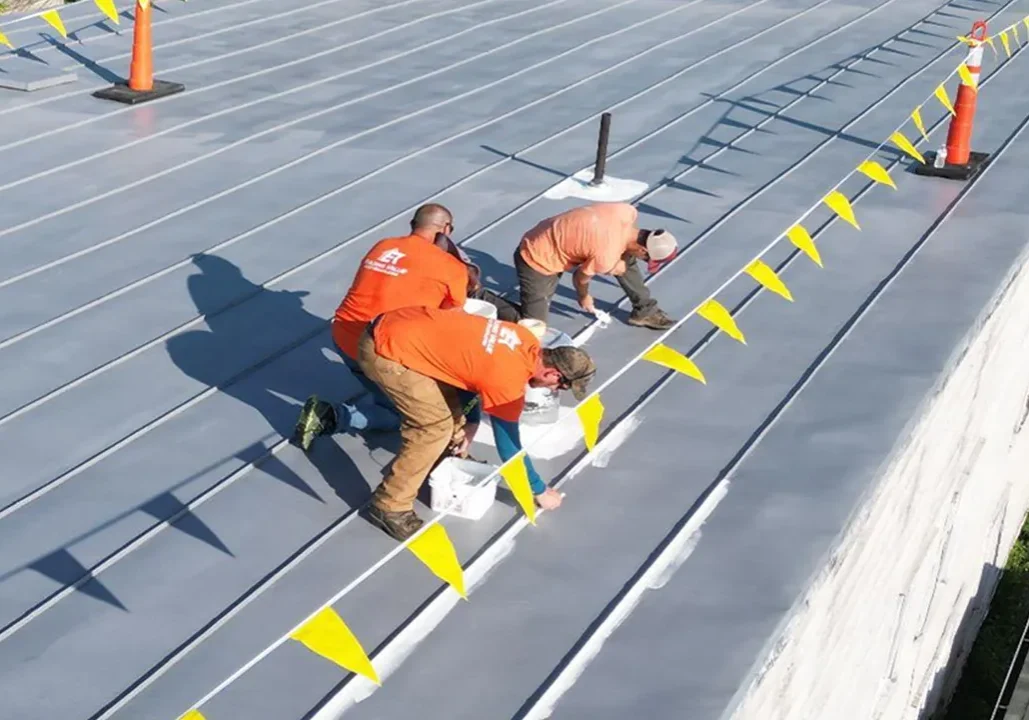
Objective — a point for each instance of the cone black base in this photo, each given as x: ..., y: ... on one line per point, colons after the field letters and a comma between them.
x: 976, y: 162
x: 124, y: 94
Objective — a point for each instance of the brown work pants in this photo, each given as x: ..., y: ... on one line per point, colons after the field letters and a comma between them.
x: 430, y: 414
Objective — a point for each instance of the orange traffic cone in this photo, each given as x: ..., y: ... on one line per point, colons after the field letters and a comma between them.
x: 141, y: 85
x: 141, y: 70
x: 956, y: 160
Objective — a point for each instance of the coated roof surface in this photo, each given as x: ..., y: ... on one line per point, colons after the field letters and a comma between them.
x: 167, y: 272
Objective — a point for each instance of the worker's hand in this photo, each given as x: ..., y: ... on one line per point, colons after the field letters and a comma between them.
x: 456, y: 440
x: 586, y: 303
x: 464, y: 444
x: 474, y: 279
x: 549, y: 499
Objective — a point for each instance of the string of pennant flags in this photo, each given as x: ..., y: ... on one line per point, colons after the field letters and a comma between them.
x: 54, y: 20
x: 326, y: 634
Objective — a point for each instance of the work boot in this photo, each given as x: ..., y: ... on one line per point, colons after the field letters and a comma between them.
x: 317, y: 418
x: 400, y: 525
x: 653, y: 318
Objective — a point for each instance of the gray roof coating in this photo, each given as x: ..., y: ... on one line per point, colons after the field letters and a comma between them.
x: 167, y: 270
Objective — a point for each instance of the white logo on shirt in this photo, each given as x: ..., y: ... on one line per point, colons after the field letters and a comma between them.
x: 496, y: 333
x: 509, y: 337
x: 387, y: 263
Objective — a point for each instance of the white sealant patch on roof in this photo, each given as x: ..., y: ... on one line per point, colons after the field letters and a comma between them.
x: 655, y: 577
x: 615, y: 438
x: 611, y: 189
x: 391, y: 657
x: 559, y: 438
x: 547, y: 441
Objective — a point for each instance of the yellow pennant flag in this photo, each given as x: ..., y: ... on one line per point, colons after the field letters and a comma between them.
x: 941, y: 95
x: 967, y: 78
x: 992, y: 46
x: 590, y: 414
x: 327, y: 635
x: 433, y: 547
x: 877, y: 172
x: 516, y: 475
x: 904, y: 144
x: 1005, y: 42
x: 840, y: 205
x: 192, y: 715
x: 800, y: 237
x: 107, y: 8
x: 5, y: 41
x: 1026, y: 21
x: 1014, y: 31
x: 916, y: 116
x: 760, y: 271
x: 663, y: 355
x: 54, y: 19
x: 716, y: 314
x: 965, y: 39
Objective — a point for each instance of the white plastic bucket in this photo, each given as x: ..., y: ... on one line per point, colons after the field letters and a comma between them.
x: 553, y: 338
x: 543, y: 406
x: 480, y: 307
x: 452, y: 487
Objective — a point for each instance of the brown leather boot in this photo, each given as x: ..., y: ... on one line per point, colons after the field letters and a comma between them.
x: 400, y: 525
x: 655, y: 319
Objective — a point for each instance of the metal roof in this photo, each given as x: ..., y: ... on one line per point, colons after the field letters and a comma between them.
x: 167, y: 272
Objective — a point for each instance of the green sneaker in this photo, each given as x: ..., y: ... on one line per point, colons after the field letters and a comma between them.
x: 317, y: 418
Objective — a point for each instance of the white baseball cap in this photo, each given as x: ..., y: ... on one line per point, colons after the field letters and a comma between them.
x: 661, y: 247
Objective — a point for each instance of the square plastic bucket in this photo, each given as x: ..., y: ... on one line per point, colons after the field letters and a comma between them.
x: 452, y: 489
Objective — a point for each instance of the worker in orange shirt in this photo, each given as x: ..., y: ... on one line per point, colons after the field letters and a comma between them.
x: 421, y: 358
x: 397, y: 272
x: 597, y: 239
x: 506, y: 310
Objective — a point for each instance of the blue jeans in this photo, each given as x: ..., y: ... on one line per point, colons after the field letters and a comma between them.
x: 379, y: 413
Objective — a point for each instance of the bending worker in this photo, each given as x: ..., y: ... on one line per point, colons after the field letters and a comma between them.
x: 597, y: 239
x: 397, y: 272
x: 421, y: 357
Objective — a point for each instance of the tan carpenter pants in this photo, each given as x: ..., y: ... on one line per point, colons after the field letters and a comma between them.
x: 430, y: 413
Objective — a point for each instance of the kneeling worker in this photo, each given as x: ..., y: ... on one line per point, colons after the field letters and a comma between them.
x: 421, y: 358
x: 597, y: 239
x: 396, y: 272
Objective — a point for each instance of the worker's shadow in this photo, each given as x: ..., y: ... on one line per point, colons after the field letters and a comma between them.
x: 264, y: 349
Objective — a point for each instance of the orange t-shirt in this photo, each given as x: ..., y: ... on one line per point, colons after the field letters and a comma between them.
x: 493, y: 358
x: 592, y: 238
x: 398, y: 272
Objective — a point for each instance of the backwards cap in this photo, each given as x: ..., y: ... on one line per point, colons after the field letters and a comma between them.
x: 575, y: 365
x: 661, y: 247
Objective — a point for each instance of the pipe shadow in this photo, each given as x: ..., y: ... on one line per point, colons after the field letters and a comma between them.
x: 523, y: 161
